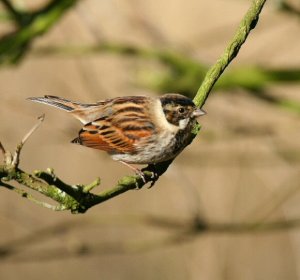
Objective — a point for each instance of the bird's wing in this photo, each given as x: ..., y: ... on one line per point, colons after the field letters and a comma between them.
x: 105, y: 137
x: 117, y: 133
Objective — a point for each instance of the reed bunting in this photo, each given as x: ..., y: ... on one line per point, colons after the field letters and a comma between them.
x: 133, y: 129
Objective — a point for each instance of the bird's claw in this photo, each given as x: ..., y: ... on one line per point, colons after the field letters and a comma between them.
x: 154, y: 175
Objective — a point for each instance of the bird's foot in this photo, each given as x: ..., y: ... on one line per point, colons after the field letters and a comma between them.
x: 154, y: 175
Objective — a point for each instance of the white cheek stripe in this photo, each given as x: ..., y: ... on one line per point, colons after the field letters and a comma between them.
x: 161, y: 118
x: 183, y: 123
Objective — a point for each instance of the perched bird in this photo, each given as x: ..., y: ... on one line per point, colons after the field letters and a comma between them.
x: 133, y: 129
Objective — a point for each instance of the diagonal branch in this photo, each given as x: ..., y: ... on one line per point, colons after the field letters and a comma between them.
x: 247, y: 24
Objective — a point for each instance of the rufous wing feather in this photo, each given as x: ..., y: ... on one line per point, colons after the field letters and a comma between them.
x: 109, y: 139
x: 123, y: 126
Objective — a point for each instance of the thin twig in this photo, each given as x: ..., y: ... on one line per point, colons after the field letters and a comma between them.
x: 2, y: 149
x: 16, y: 158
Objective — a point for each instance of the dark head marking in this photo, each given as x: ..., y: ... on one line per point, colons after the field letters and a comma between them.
x: 177, y: 107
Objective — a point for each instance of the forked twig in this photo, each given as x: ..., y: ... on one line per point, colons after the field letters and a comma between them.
x: 16, y: 157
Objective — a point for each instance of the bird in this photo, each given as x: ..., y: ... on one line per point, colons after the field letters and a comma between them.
x: 133, y: 129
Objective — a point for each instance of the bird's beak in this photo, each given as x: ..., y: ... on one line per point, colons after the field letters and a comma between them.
x: 198, y: 113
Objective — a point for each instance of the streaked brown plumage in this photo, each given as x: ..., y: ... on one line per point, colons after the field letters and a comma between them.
x: 133, y: 129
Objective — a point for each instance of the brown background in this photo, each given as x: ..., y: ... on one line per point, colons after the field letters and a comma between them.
x: 244, y: 166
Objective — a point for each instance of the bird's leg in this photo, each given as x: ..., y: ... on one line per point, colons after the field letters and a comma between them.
x: 136, y: 170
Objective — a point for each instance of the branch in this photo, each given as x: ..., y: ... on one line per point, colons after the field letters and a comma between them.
x: 13, y: 46
x: 18, y: 16
x: 79, y: 198
x: 247, y: 24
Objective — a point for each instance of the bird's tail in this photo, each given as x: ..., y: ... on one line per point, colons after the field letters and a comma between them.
x: 81, y: 111
x: 61, y: 103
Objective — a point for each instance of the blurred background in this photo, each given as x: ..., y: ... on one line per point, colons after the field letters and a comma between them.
x: 227, y: 208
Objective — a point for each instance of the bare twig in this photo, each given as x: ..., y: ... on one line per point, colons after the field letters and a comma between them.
x: 16, y: 157
x: 7, y: 156
x: 2, y: 149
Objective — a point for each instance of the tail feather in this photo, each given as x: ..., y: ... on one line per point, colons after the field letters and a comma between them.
x: 84, y: 112
x: 58, y: 102
x: 77, y: 140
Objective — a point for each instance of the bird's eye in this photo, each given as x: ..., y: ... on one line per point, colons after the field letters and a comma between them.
x: 181, y: 110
